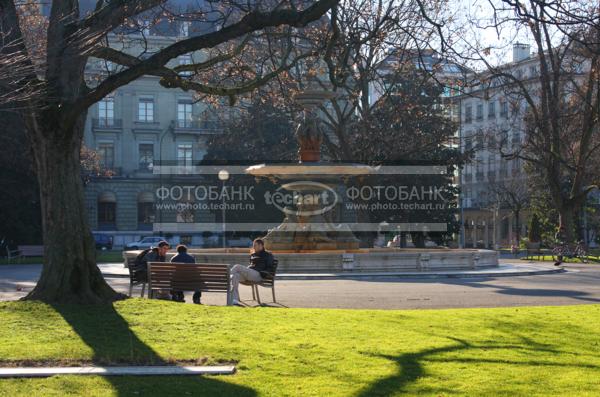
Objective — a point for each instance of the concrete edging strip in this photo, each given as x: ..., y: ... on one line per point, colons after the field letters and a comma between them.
x: 43, y: 372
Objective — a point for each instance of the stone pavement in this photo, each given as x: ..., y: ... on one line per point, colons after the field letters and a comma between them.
x: 42, y: 372
x: 580, y: 284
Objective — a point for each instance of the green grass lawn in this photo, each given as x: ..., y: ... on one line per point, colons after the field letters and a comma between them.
x: 308, y: 352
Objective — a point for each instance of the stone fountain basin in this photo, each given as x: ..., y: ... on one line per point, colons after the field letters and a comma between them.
x: 359, y: 260
x: 317, y: 170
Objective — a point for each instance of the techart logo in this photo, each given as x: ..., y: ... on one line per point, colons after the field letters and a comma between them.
x: 303, y: 198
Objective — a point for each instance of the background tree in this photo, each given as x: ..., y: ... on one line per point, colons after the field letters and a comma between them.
x: 52, y: 96
x: 19, y: 203
x: 534, y: 233
x: 514, y: 195
x: 262, y: 131
x: 411, y: 126
x: 560, y: 105
x: 374, y: 43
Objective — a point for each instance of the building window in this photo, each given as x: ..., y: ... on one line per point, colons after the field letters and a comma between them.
x: 515, y: 108
x: 516, y: 140
x: 184, y: 113
x: 532, y: 71
x: 479, y: 114
x: 145, y: 209
x: 185, y: 59
x: 184, y: 154
x: 519, y: 74
x: 146, y: 110
x: 468, y: 144
x: 184, y: 28
x: 503, y: 108
x: 492, y: 110
x: 145, y: 27
x: 106, y: 112
x: 146, y: 151
x: 106, y: 152
x: 479, y: 143
x: 145, y: 213
x: 468, y: 114
x: 185, y: 212
x: 107, y: 211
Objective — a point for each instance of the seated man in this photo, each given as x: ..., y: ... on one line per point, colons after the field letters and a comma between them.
x: 158, y: 254
x: 261, y: 266
x: 183, y: 257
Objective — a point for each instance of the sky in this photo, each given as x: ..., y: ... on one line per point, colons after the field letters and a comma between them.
x: 476, y: 17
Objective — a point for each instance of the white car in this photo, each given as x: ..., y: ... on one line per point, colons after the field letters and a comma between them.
x: 144, y: 243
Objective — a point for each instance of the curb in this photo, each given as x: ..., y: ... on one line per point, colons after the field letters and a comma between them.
x: 398, y: 275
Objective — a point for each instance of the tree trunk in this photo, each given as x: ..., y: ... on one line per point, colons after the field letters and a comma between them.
x: 567, y: 220
x: 70, y: 273
x: 518, y: 225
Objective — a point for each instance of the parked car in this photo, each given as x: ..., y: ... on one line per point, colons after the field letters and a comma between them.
x: 103, y: 241
x: 144, y: 243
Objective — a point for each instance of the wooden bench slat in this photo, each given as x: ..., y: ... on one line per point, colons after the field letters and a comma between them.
x: 205, y: 277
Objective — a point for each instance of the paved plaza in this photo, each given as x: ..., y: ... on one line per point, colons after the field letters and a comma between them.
x: 580, y: 284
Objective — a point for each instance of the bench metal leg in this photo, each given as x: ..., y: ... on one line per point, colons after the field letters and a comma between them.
x: 253, y: 294
x: 130, y: 288
x: 273, y: 291
x: 257, y: 294
x: 143, y: 289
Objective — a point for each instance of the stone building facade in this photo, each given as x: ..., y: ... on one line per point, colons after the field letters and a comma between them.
x: 138, y: 126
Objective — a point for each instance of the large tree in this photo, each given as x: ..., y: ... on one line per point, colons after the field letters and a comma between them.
x: 49, y: 91
x: 558, y: 103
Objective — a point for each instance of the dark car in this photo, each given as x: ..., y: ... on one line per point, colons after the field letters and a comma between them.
x: 103, y: 241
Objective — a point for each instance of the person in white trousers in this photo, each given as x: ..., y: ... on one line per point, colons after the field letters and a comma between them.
x: 261, y: 265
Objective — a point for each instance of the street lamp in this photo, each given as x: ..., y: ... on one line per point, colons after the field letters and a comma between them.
x: 223, y: 177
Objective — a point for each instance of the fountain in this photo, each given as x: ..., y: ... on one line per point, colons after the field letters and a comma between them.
x: 307, y: 227
x: 307, y: 240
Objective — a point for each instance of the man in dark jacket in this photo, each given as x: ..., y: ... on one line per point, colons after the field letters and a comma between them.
x: 261, y: 266
x: 183, y: 257
x: 158, y: 254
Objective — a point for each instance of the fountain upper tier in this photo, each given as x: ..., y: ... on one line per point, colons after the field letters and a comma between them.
x: 317, y: 170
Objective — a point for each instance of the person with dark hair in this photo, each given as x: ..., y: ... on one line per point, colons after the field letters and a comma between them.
x: 183, y: 257
x: 261, y: 265
x: 158, y: 254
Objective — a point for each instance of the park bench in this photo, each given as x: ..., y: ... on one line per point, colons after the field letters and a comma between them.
x: 137, y: 277
x: 24, y: 251
x: 205, y: 277
x: 535, y: 249
x: 268, y: 282
x: 12, y: 255
x: 31, y: 250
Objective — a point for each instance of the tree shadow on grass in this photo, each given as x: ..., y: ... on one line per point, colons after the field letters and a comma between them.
x: 108, y: 334
x: 410, y: 365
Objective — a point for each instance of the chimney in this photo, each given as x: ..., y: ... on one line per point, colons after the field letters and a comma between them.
x: 520, y: 51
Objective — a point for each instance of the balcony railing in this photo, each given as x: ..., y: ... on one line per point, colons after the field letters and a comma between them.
x: 200, y: 126
x: 107, y: 123
x: 187, y: 124
x: 479, y: 176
